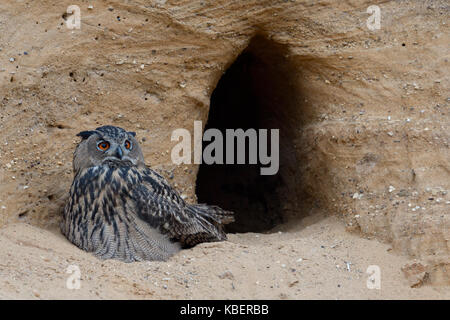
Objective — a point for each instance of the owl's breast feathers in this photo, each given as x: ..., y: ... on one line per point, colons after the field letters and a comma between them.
x: 132, y: 213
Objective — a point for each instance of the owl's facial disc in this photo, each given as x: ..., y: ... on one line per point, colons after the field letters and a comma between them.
x: 105, y: 145
x: 115, y: 151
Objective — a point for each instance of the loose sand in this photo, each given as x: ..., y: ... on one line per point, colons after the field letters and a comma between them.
x: 315, y: 260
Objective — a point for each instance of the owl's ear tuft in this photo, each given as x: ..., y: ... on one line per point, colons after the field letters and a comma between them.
x: 132, y: 133
x: 85, y: 134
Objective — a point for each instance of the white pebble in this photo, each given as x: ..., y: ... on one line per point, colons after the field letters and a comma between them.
x: 357, y: 195
x: 348, y: 265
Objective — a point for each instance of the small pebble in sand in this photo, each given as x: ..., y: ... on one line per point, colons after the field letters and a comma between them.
x: 357, y: 195
x: 226, y: 275
x: 348, y: 265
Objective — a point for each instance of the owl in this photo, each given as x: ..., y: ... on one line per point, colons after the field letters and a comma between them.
x: 119, y: 208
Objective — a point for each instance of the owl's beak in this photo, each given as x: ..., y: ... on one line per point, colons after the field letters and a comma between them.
x: 119, y: 153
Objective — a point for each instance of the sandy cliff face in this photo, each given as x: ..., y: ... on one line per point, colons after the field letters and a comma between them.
x: 363, y: 115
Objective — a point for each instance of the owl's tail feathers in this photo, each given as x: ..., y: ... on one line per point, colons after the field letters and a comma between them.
x: 208, y: 226
x: 214, y: 213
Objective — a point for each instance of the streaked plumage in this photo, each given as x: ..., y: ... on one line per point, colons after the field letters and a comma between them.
x: 120, y: 209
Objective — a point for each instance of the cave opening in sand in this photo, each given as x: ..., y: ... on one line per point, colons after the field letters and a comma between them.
x: 255, y: 92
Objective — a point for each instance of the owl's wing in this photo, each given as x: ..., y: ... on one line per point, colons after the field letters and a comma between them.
x: 157, y: 203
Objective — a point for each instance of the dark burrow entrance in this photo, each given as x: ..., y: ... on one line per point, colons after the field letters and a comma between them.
x: 256, y: 92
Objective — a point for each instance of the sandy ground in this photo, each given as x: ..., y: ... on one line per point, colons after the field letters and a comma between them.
x: 315, y: 260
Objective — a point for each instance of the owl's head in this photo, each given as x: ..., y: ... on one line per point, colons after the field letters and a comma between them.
x: 107, y: 144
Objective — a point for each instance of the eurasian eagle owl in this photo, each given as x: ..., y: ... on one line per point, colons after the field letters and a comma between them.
x: 121, y: 209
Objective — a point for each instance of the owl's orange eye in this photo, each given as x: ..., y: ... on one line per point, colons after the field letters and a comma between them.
x: 103, y: 145
x: 127, y: 144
